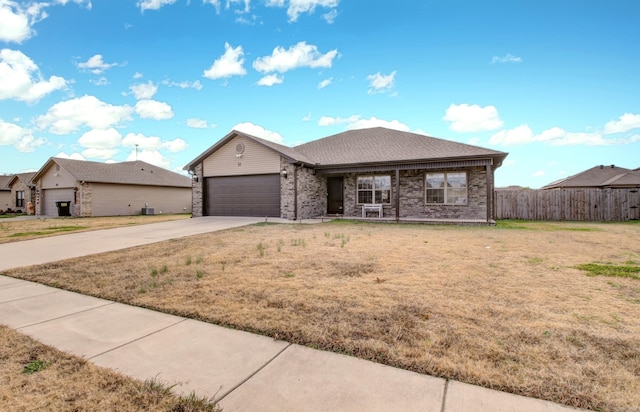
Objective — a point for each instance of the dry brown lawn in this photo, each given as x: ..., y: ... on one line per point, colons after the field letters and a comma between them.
x: 503, y: 307
x: 36, y: 377
x: 17, y: 230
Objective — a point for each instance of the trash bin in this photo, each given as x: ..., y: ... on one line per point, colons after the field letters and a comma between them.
x: 64, y: 208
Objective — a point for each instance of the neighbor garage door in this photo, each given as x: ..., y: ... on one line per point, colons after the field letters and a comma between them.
x: 257, y: 195
x: 51, y: 196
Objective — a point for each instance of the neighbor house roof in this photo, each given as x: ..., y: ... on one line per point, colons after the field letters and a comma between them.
x: 599, y: 176
x: 132, y: 173
x: 367, y: 146
x: 25, y: 177
x: 4, y: 182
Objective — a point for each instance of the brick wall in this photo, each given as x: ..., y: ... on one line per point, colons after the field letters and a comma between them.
x: 412, y: 197
x: 311, y: 193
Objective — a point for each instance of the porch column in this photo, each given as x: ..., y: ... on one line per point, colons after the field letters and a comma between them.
x: 489, y: 193
x: 397, y: 195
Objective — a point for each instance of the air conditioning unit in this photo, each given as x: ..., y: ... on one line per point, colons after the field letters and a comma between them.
x: 148, y: 211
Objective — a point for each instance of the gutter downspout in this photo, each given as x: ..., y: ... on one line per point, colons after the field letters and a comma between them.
x: 397, y: 195
x: 489, y: 172
x: 295, y: 192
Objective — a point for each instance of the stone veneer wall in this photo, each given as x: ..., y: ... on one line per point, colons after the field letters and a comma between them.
x: 197, y: 193
x: 85, y: 205
x: 312, y: 193
x: 412, y: 196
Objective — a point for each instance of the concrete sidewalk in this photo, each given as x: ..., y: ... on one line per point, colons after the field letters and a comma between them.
x: 245, y: 372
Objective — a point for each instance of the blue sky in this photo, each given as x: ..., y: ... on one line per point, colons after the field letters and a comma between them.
x: 554, y: 83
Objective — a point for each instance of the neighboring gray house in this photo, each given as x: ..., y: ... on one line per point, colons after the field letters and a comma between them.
x: 5, y: 192
x: 109, y: 189
x: 599, y: 177
x: 393, y: 174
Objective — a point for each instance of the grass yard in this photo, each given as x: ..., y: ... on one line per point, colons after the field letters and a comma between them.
x: 504, y: 307
x: 17, y: 230
x: 36, y: 377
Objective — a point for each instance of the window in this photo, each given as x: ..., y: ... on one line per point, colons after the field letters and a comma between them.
x: 20, y: 198
x: 446, y: 188
x: 374, y: 189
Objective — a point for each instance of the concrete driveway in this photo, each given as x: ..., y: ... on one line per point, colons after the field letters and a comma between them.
x: 53, y: 248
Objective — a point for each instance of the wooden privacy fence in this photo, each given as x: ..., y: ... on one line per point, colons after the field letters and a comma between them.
x: 568, y: 204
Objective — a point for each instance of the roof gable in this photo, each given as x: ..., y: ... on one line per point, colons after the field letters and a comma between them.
x: 132, y: 173
x: 24, y: 177
x: 285, y: 151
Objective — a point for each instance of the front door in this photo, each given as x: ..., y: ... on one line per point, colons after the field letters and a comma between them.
x: 335, y: 193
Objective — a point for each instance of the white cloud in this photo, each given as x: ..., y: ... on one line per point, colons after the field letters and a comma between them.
x: 144, y: 90
x: 557, y: 136
x: 626, y: 122
x: 183, y: 84
x: 148, y: 148
x: 74, y: 156
x: 153, y: 143
x: 175, y: 145
x: 153, y: 4
x: 229, y: 64
x: 95, y: 153
x: 17, y: 20
x: 301, y: 55
x: 539, y: 173
x: 307, y: 118
x: 22, y: 139
x: 507, y: 58
x: 380, y: 83
x: 330, y: 17
x: 197, y: 123
x: 68, y: 116
x: 153, y: 109
x: 325, y: 83
x: 356, y: 122
x: 258, y: 131
x: 96, y: 65
x: 20, y: 78
x: 138, y: 75
x: 270, y: 79
x: 467, y: 118
x: 100, y: 139
x: 297, y: 7
x: 100, y: 81
x: 215, y: 3
x: 518, y: 135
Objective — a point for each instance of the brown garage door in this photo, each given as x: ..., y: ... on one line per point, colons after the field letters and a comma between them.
x: 257, y: 195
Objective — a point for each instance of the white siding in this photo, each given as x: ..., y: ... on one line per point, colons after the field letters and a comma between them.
x: 256, y: 159
x: 5, y: 199
x: 122, y: 200
x: 56, y: 179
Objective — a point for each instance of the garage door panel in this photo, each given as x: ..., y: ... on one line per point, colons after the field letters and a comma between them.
x: 51, y: 196
x: 257, y: 195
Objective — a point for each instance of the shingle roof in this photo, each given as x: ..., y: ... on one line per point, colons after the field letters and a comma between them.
x: 379, y: 145
x: 366, y: 146
x: 599, y: 176
x: 132, y: 173
x: 25, y: 177
x: 4, y: 181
